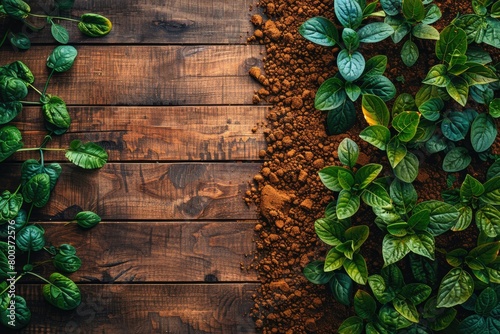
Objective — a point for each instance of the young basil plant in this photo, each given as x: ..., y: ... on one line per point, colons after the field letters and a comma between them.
x: 92, y: 25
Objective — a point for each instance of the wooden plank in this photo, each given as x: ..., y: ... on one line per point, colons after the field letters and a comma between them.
x: 160, y: 21
x: 151, y: 308
x: 117, y: 252
x: 148, y: 191
x: 149, y: 75
x: 155, y: 133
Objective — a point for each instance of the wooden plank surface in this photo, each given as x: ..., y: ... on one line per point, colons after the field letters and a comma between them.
x: 149, y: 75
x: 155, y: 133
x: 148, y: 191
x: 147, y: 309
x: 162, y: 21
x: 138, y: 252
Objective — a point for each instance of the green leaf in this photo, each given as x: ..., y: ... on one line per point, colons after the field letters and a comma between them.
x: 56, y: 113
x: 351, y: 325
x: 367, y: 174
x: 437, y: 76
x: 406, y: 124
x: 341, y: 286
x: 423, y: 269
x: 407, y: 169
x: 350, y: 39
x: 59, y: 33
x: 392, y: 318
x: 20, y: 41
x: 88, y: 155
x: 404, y: 196
x: 456, y: 257
x: 9, y: 110
x: 357, y: 269
x: 330, y: 95
x: 349, y: 13
x: 464, y: 217
x: 416, y: 293
x: 491, y: 193
x: 87, y: 219
x: 479, y: 75
x: 348, y: 152
x: 347, y: 204
x: 404, y: 102
x: 374, y: 32
x: 470, y: 188
x: 382, y: 291
x: 37, y: 190
x: 30, y: 238
x: 330, y: 230
x: 319, y: 30
x: 341, y: 119
x: 380, y: 86
x: 431, y: 108
x: 94, y: 25
x: 456, y: 160
x: 478, y: 55
x: 473, y: 25
x: 333, y: 260
x: 420, y: 220
x: 400, y: 25
x: 329, y: 177
x: 425, y: 31
x: 442, y: 215
x: 67, y: 249
x: 494, y: 108
x: 455, y: 126
x: 413, y: 10
x: 376, y: 195
x: 398, y: 229
x: 483, y: 132
x: 422, y: 243
x: 67, y: 263
x: 21, y: 312
x: 62, y: 58
x: 10, y: 204
x: 439, y: 319
x: 377, y: 135
x: 488, y: 220
x: 375, y: 66
x: 406, y: 309
x: 18, y: 9
x: 12, y: 89
x: 350, y: 66
x: 432, y: 14
x: 31, y: 167
x: 391, y: 7
x: 494, y: 170
x: 452, y: 40
x: 358, y: 234
x: 375, y: 110
x: 456, y: 287
x: 62, y: 292
x: 346, y: 180
x: 314, y: 272
x: 492, y: 32
x: 474, y: 324
x: 409, y: 53
x: 458, y: 89
x: 486, y: 253
x: 427, y: 92
x: 352, y: 91
x: 394, y: 249
x: 22, y: 71
x: 364, y: 305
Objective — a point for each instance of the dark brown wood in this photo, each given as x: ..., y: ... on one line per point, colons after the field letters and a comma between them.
x: 117, y: 252
x: 161, y: 21
x: 147, y: 309
x: 149, y: 191
x: 149, y: 75
x: 156, y: 133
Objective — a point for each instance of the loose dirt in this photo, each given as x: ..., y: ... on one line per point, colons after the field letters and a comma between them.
x: 288, y: 190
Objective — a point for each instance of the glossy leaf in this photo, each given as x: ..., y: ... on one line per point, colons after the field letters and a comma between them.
x: 437, y: 76
x: 18, y: 9
x: 59, y: 33
x: 94, y: 25
x: 374, y: 32
x: 87, y: 219
x: 348, y: 152
x: 67, y: 263
x: 407, y: 169
x: 375, y: 110
x: 423, y: 269
x: 319, y: 30
x: 400, y: 25
x: 12, y: 89
x: 380, y: 86
x: 357, y: 269
x: 491, y: 193
x: 37, y: 190
x: 458, y: 89
x: 352, y: 91
x: 485, y: 253
x: 394, y: 249
x: 486, y: 302
x: 404, y: 196
x: 329, y: 177
x: 86, y: 155
x: 404, y: 102
x: 358, y: 234
x: 367, y: 174
x: 432, y: 14
x: 364, y: 305
x: 406, y: 124
x: 350, y: 39
x: 431, y: 108
x: 10, y: 204
x: 314, y: 272
x: 382, y: 291
x: 456, y: 287
x: 333, y: 260
x: 20, y: 41
x: 423, y: 244
x: 455, y: 126
x: 483, y: 132
x: 452, y: 40
x: 330, y: 95
x: 464, y: 219
x: 494, y: 107
x: 22, y: 314
x: 341, y: 286
x: 456, y: 160
x: 349, y: 13
x: 31, y: 238
x: 22, y: 71
x: 391, y: 7
x: 473, y: 25
x: 442, y: 215
x: 375, y: 66
x: 377, y: 135
x: 409, y: 53
x: 62, y: 58
x: 376, y: 195
x: 9, y: 110
x: 413, y: 10
x: 488, y: 221
x: 470, y: 188
x: 492, y: 32
x: 351, y: 325
x: 341, y: 119
x: 56, y: 113
x: 330, y: 230
x: 347, y: 204
x: 350, y: 66
x: 479, y: 75
x: 62, y: 292
x: 425, y: 31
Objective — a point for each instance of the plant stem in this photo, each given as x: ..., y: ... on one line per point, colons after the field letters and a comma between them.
x: 46, y: 139
x: 38, y: 276
x: 31, y: 102
x: 53, y: 17
x: 47, y: 82
x: 8, y: 285
x: 28, y: 216
x: 36, y: 90
x: 40, y: 148
x: 4, y: 37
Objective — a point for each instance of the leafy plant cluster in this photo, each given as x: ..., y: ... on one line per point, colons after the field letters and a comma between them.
x: 425, y: 299
x: 23, y: 237
x: 19, y: 14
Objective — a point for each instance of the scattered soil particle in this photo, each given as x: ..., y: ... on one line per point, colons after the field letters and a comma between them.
x: 288, y: 190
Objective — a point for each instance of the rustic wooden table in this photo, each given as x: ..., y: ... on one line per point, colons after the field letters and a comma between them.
x: 167, y: 93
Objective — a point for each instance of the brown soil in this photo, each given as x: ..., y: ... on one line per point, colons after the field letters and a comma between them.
x: 288, y: 190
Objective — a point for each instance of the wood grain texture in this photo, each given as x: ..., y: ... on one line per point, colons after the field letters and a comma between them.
x: 155, y: 133
x: 161, y: 21
x: 132, y: 252
x: 147, y: 309
x: 149, y: 75
x: 148, y: 191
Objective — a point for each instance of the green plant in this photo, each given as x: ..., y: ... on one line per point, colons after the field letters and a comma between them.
x: 355, y: 76
x: 38, y: 179
x: 487, y: 313
x: 92, y: 25
x: 413, y: 18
